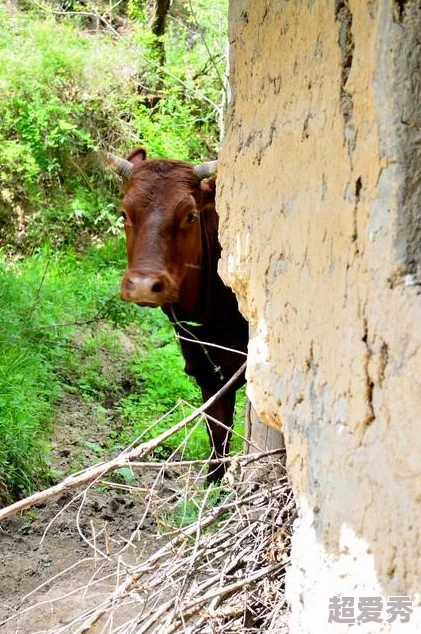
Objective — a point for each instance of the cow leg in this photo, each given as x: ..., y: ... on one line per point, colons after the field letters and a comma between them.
x: 219, y: 437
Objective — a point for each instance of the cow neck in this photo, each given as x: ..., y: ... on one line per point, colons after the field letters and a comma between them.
x: 197, y: 289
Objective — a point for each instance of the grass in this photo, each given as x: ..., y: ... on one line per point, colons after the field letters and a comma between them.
x: 188, y: 508
x: 64, y: 330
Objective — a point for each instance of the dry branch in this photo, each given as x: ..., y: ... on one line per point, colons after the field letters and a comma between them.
x: 222, y: 573
x: 95, y: 473
x: 186, y: 586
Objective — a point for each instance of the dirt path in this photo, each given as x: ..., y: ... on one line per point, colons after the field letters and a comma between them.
x: 47, y: 579
x: 62, y: 559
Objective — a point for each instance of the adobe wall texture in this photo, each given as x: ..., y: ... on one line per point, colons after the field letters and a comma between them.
x: 320, y: 204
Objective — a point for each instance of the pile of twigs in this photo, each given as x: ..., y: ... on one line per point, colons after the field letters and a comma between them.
x: 230, y: 579
x: 222, y: 566
x: 224, y: 573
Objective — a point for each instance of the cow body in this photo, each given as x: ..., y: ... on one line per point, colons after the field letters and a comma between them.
x: 173, y: 250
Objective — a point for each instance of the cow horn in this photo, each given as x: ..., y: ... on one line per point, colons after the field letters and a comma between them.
x: 121, y: 166
x: 206, y: 170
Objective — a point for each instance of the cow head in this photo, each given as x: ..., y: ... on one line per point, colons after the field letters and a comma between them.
x: 161, y: 209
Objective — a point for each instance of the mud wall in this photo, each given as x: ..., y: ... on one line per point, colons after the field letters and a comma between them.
x: 320, y: 205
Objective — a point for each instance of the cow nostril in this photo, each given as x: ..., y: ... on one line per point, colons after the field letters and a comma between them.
x: 157, y: 287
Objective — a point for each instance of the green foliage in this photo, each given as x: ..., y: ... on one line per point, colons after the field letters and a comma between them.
x: 126, y: 475
x: 71, y: 91
x: 38, y: 359
x: 188, y: 510
x: 69, y: 95
x: 52, y: 343
x: 136, y: 10
x: 27, y: 387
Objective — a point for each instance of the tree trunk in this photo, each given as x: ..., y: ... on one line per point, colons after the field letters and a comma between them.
x: 160, y: 11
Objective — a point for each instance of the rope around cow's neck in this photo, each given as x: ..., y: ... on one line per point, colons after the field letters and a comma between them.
x: 195, y: 339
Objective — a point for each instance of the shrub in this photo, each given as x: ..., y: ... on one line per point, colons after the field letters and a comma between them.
x: 27, y: 388
x: 37, y: 358
x: 68, y: 95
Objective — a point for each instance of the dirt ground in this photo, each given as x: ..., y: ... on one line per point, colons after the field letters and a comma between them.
x: 49, y: 570
x: 63, y: 559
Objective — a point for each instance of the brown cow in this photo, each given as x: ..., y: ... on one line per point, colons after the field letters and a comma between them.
x: 173, y: 251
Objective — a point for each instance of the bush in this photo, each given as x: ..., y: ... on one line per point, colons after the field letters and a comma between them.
x: 27, y: 389
x: 69, y: 95
x: 38, y: 359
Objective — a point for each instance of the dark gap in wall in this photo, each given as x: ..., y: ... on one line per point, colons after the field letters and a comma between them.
x: 384, y: 360
x: 346, y: 42
x: 400, y: 9
x: 358, y: 188
x: 404, y: 93
x: 369, y: 384
x: 264, y: 15
x: 343, y: 16
x: 244, y: 17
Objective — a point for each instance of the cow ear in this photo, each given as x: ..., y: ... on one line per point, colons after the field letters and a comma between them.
x: 208, y: 189
x: 137, y: 156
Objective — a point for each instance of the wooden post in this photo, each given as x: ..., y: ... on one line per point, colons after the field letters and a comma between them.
x: 261, y: 437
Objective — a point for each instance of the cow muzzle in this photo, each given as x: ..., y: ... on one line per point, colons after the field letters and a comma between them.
x: 148, y: 290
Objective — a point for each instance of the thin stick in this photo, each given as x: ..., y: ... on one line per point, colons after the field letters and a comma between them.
x: 218, y: 592
x: 95, y: 473
x: 132, y: 579
x: 208, y: 344
x: 246, y: 459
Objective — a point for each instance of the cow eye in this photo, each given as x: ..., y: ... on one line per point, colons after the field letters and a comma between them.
x: 123, y: 215
x: 192, y: 217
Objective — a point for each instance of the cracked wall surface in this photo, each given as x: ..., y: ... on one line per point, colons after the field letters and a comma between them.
x: 319, y: 197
